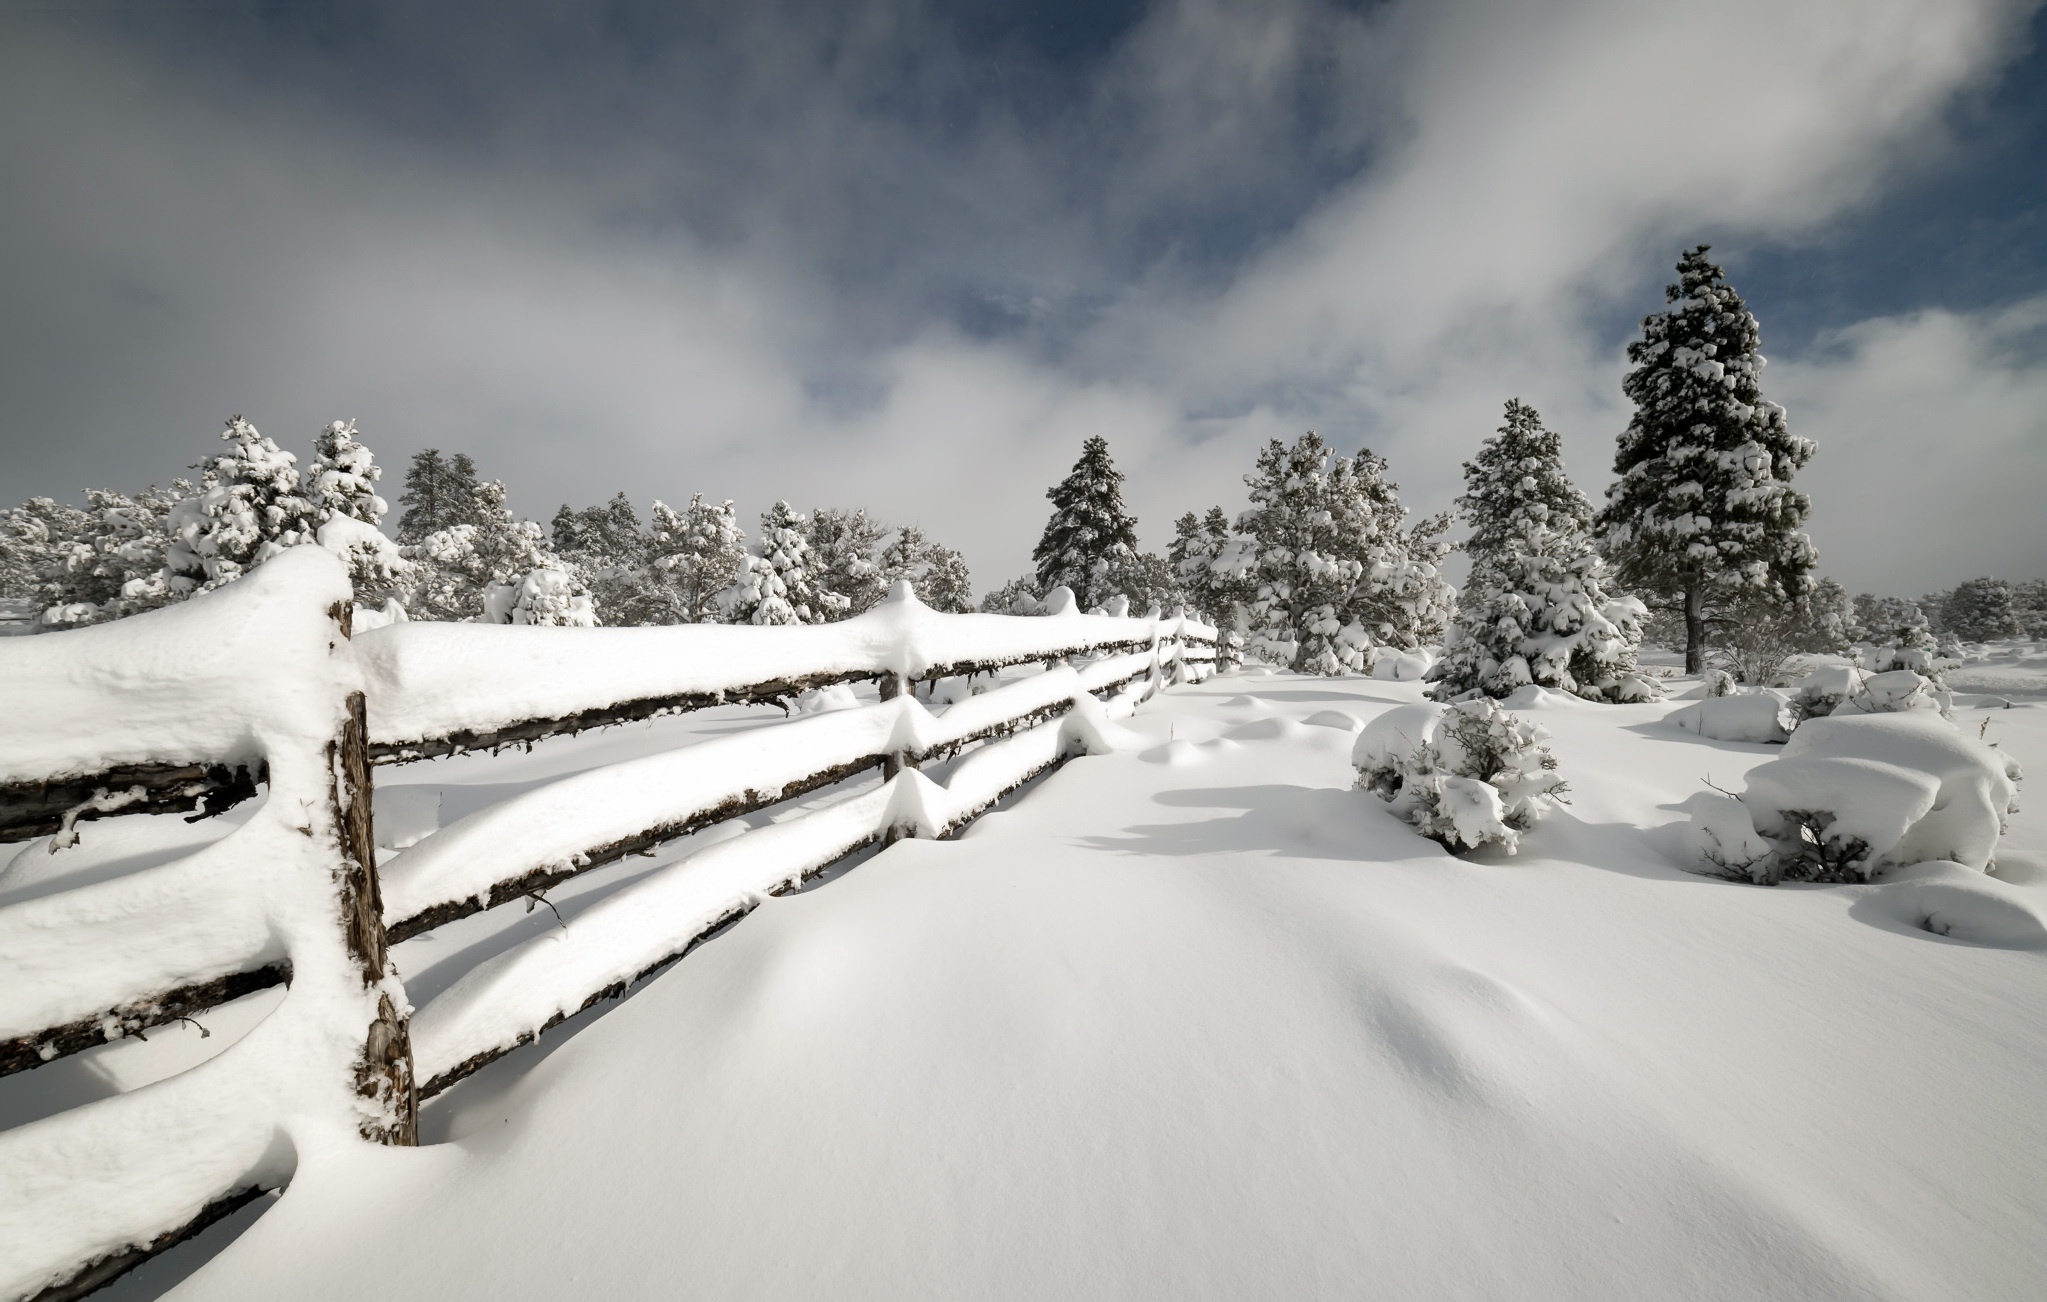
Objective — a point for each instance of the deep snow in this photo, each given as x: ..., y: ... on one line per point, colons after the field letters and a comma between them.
x: 1197, y: 1019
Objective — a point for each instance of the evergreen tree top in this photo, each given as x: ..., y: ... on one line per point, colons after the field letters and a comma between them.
x: 1089, y: 526
x: 440, y: 493
x: 1516, y: 492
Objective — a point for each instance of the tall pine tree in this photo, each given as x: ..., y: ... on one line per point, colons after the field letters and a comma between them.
x: 1089, y: 529
x: 699, y: 552
x: 1535, y: 607
x: 842, y: 546
x: 440, y: 493
x: 1703, y: 515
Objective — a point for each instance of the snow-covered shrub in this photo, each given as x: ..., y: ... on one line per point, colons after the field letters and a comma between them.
x: 1466, y: 775
x: 1895, y: 690
x: 1853, y: 795
x: 549, y: 595
x: 1822, y: 691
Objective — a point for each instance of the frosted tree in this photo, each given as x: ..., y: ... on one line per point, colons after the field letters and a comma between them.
x: 948, y: 584
x: 2029, y: 603
x: 440, y: 493
x: 1535, y: 607
x: 778, y: 585
x: 843, y: 546
x: 85, y: 566
x: 1019, y: 596
x: 341, y: 484
x: 1982, y: 610
x: 1146, y: 579
x: 250, y: 507
x: 610, y: 550
x: 1703, y: 515
x: 698, y: 552
x: 1089, y: 529
x: 1330, y: 571
x: 497, y: 570
x: 1213, y: 563
x: 935, y: 572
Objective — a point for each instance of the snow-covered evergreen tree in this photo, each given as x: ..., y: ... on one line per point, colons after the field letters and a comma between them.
x: 1019, y: 596
x: 2029, y: 603
x: 249, y: 508
x: 440, y: 493
x: 1703, y: 515
x: 778, y: 585
x: 1331, y: 572
x: 935, y: 572
x: 610, y: 550
x: 341, y: 483
x: 842, y: 547
x: 1982, y: 610
x: 1536, y: 606
x: 498, y: 570
x: 699, y: 552
x: 86, y: 566
x: 1146, y: 579
x: 1089, y: 529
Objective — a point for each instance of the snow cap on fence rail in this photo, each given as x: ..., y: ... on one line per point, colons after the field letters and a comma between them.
x: 204, y: 681
x: 435, y: 680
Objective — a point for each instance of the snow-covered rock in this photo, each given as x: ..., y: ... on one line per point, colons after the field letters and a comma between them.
x: 1759, y: 717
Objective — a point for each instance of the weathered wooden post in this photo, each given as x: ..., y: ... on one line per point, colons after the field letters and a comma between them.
x: 383, y: 1074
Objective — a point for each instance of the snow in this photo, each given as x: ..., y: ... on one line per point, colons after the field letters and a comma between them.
x: 1226, y: 1028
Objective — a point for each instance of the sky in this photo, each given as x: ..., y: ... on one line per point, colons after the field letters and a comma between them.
x: 908, y: 256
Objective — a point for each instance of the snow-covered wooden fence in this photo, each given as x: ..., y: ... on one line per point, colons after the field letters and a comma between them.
x: 193, y: 707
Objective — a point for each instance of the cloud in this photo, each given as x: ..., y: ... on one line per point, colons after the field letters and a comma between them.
x: 1932, y: 433
x: 840, y: 254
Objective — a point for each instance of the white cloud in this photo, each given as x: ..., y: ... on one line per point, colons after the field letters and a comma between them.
x: 1529, y: 166
x: 1932, y: 433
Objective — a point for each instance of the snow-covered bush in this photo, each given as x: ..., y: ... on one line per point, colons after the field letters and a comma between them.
x: 1466, y: 775
x: 1853, y: 795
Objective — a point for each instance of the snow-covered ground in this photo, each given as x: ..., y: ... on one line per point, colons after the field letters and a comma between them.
x: 1197, y: 1019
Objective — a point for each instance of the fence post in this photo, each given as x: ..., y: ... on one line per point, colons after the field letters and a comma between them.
x: 383, y: 1074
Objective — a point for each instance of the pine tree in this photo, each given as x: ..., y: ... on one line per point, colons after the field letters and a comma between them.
x: 341, y: 484
x: 249, y: 509
x: 1703, y: 514
x: 1331, y: 573
x: 343, y: 477
x: 1535, y: 607
x: 497, y: 570
x: 842, y: 547
x: 1213, y: 563
x: 1019, y: 596
x: 1089, y: 528
x: 86, y: 566
x: 699, y: 552
x: 1982, y: 610
x: 948, y: 584
x: 777, y: 586
x: 440, y: 493
x: 608, y: 548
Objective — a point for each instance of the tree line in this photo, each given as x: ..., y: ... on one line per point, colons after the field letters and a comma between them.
x: 1700, y: 543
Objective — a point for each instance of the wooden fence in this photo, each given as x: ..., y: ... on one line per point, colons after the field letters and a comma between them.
x: 260, y: 686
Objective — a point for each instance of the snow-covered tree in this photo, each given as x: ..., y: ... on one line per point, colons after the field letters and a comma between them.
x: 778, y: 585
x: 85, y: 566
x: 1213, y: 563
x: 440, y: 493
x: 842, y: 547
x: 1827, y: 622
x: 1535, y: 606
x: 249, y: 508
x: 1089, y: 528
x: 1982, y: 610
x: 935, y: 572
x: 1331, y: 573
x: 699, y: 552
x: 1703, y: 514
x: 610, y: 550
x: 1019, y: 596
x: 498, y: 570
x: 1146, y: 579
x: 341, y: 483
x: 2029, y: 603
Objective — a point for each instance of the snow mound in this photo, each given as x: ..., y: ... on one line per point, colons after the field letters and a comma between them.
x: 1887, y: 693
x: 1402, y: 666
x: 1763, y: 717
x: 1333, y: 719
x: 1532, y: 697
x: 1952, y: 900
x: 1854, y: 794
x: 1177, y: 753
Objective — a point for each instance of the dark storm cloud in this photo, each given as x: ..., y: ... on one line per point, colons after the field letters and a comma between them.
x: 909, y: 255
